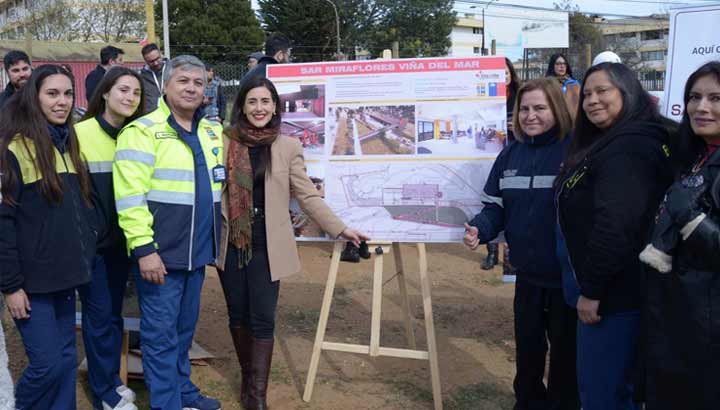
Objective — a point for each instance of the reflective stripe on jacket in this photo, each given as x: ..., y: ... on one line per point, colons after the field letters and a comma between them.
x: 154, y: 183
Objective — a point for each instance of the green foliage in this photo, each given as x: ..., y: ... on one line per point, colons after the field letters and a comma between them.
x: 213, y: 30
x: 310, y: 24
x: 422, y: 27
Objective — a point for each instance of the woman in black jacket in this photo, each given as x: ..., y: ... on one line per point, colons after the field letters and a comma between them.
x: 683, y: 332
x: 613, y: 178
x: 48, y: 233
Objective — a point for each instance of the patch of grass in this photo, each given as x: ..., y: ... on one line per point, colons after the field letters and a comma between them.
x: 409, y: 391
x: 482, y: 396
x: 301, y: 319
x: 278, y: 374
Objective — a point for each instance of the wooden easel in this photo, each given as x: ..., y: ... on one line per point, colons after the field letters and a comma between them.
x: 380, y: 249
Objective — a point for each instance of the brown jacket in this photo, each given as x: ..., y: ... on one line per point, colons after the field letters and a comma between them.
x: 288, y: 174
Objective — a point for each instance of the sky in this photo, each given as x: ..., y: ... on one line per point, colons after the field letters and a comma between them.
x: 602, y: 7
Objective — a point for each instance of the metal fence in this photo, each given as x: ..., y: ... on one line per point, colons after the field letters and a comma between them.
x: 650, y: 80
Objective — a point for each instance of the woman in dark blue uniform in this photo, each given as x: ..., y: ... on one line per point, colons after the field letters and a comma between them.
x: 519, y: 198
x: 48, y: 234
x: 117, y: 101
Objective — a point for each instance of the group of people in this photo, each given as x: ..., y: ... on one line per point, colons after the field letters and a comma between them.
x: 145, y: 186
x: 611, y: 211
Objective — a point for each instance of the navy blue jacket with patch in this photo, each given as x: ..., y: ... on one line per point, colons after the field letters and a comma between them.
x: 519, y: 199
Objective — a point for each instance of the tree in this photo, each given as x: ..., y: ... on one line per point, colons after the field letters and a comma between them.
x: 310, y: 25
x: 421, y: 27
x: 50, y: 20
x: 110, y: 20
x: 213, y: 30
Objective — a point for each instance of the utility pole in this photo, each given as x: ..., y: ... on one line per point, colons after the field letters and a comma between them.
x: 166, y: 30
x: 484, y: 51
x: 150, y: 18
x: 337, y: 30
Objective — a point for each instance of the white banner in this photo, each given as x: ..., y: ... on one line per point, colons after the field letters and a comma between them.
x: 694, y: 40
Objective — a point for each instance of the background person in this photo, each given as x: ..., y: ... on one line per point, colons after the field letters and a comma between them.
x: 167, y: 177
x: 18, y: 68
x: 48, y: 234
x: 253, y: 59
x: 277, y: 51
x: 117, y: 102
x: 152, y: 74
x: 214, y: 99
x: 257, y: 247
x: 520, y: 196
x: 681, y: 350
x: 559, y: 68
x: 613, y: 178
x: 109, y: 56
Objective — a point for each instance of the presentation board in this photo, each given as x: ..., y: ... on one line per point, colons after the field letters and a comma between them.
x: 689, y: 48
x: 401, y: 148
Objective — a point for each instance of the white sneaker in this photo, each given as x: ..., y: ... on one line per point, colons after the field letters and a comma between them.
x: 122, y: 405
x: 126, y: 393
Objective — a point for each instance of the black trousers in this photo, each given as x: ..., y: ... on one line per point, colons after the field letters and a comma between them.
x: 250, y: 294
x: 542, y: 316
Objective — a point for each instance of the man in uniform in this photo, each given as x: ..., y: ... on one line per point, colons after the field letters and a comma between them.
x: 167, y: 177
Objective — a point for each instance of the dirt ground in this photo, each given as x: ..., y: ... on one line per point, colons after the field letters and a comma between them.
x: 473, y: 318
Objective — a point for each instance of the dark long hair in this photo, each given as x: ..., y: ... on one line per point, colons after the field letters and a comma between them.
x: 689, y: 146
x: 238, y: 121
x: 637, y: 106
x: 22, y: 115
x: 97, y: 104
x: 550, y: 72
x: 514, y: 80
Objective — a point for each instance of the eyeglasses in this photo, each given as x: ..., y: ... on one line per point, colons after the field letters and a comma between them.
x: 560, y: 63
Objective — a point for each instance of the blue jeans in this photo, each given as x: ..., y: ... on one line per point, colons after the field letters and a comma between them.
x: 48, y: 381
x: 169, y: 314
x: 606, y: 357
x: 102, y: 324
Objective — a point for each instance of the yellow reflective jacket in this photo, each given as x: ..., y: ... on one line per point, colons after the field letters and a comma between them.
x: 154, y: 184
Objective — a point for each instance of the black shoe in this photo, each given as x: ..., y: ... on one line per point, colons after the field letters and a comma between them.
x: 351, y: 253
x: 492, y: 257
x: 364, y: 250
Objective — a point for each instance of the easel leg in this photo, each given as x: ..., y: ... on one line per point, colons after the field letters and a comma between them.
x: 404, y: 301
x: 322, y: 324
x: 430, y: 327
x: 376, y: 305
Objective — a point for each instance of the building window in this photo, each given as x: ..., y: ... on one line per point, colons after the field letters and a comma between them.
x: 651, y: 35
x: 476, y: 50
x: 477, y: 30
x: 627, y: 35
x: 657, y: 55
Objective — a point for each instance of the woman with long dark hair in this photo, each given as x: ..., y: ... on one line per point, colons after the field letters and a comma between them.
x: 116, y: 102
x: 612, y: 180
x: 683, y: 289
x: 48, y: 233
x: 520, y: 201
x: 257, y: 247
x: 559, y: 68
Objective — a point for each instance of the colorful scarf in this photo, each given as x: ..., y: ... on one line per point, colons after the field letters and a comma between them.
x: 240, y: 183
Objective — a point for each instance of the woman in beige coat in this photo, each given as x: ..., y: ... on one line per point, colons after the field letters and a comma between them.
x: 257, y: 246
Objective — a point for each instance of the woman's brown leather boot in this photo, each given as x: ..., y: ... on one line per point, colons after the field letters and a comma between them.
x: 242, y: 339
